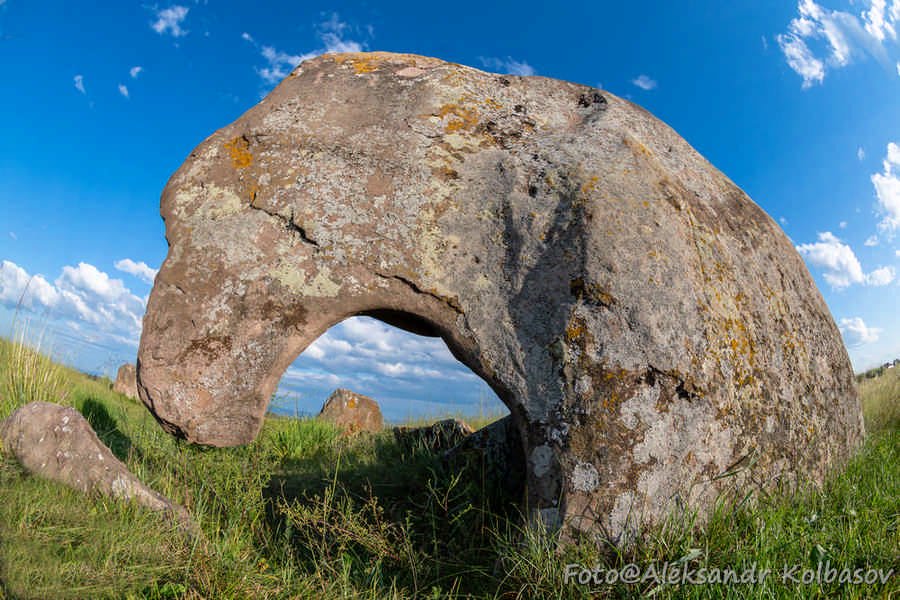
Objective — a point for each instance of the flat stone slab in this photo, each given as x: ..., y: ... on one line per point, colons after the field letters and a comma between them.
x: 57, y: 443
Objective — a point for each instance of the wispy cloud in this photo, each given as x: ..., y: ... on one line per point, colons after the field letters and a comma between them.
x: 838, y: 37
x: 860, y: 153
x: 279, y: 63
x: 135, y: 71
x: 509, y: 66
x: 123, y: 90
x: 887, y: 190
x: 79, y: 84
x: 169, y: 20
x: 138, y: 269
x: 856, y: 333
x: 644, y: 82
x: 840, y: 266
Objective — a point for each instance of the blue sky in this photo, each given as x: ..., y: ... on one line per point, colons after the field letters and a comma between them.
x: 795, y: 101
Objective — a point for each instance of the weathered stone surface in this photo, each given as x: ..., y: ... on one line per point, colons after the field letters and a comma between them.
x: 126, y: 381
x: 648, y: 325
x: 56, y: 442
x: 351, y: 411
x: 498, y: 450
x: 495, y: 450
x: 437, y: 437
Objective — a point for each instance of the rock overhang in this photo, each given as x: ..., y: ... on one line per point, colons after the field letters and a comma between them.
x: 645, y: 321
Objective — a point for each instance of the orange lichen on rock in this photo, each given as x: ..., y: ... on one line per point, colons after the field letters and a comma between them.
x: 238, y: 149
x: 366, y: 62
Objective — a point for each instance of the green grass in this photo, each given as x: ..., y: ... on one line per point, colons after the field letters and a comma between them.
x: 880, y: 395
x: 307, y: 512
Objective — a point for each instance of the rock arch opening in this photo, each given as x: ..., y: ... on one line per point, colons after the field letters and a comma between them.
x: 395, y: 357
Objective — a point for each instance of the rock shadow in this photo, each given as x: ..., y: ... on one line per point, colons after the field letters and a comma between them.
x: 107, y: 429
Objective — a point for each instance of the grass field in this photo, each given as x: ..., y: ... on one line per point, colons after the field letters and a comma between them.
x: 307, y: 512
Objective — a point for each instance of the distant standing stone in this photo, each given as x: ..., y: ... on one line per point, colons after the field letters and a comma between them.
x: 352, y: 411
x: 126, y: 381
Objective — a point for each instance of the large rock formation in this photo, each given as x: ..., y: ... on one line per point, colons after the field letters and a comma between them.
x: 57, y: 443
x: 351, y: 411
x: 126, y: 380
x: 648, y: 325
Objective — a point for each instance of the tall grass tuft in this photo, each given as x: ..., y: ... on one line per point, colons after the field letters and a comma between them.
x: 29, y: 373
x: 881, y: 401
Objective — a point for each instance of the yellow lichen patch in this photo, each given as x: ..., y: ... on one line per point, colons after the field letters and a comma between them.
x: 589, y: 186
x: 465, y: 118
x: 238, y: 149
x: 575, y: 329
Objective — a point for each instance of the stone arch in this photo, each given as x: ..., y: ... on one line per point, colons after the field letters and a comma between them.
x: 650, y: 327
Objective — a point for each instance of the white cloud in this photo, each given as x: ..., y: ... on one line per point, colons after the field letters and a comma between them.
x: 280, y: 64
x: 509, y: 66
x: 872, y: 240
x: 368, y: 346
x: 135, y: 71
x: 887, y: 190
x: 138, y: 269
x: 79, y: 84
x: 881, y: 276
x: 840, y: 265
x: 875, y: 21
x: 860, y: 153
x: 837, y: 259
x: 81, y: 294
x: 801, y: 59
x: 644, y: 82
x: 87, y: 280
x: 783, y: 220
x: 839, y: 36
x: 765, y: 43
x: 123, y: 90
x: 843, y: 224
x: 33, y: 292
x: 169, y: 21
x: 856, y: 333
x: 13, y: 235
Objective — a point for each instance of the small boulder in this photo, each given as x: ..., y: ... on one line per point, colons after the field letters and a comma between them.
x: 438, y: 437
x: 496, y: 449
x: 57, y: 443
x: 351, y: 411
x: 126, y: 381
